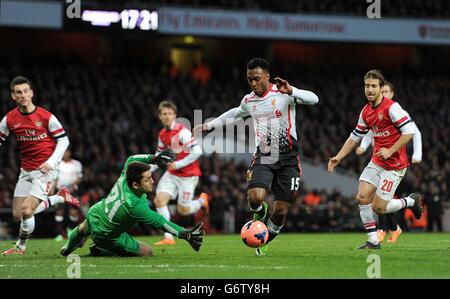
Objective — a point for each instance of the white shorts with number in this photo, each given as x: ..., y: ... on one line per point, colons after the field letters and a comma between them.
x: 386, y: 181
x: 183, y: 187
x: 35, y: 183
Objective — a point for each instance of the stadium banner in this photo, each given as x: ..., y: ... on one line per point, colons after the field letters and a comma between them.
x: 42, y: 14
x: 224, y: 23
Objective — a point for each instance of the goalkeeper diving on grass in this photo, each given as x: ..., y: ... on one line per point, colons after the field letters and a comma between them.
x: 108, y: 221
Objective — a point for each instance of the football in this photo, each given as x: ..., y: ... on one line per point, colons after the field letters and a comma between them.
x: 254, y: 234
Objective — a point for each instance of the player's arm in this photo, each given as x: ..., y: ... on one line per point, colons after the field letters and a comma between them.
x: 227, y: 118
x: 143, y: 158
x: 365, y: 143
x: 348, y: 147
x: 403, y: 122
x: 417, y: 145
x: 62, y: 143
x: 350, y: 144
x: 147, y: 216
x: 190, y: 145
x: 299, y: 96
x: 162, y: 159
x: 4, y: 131
x: 193, y: 236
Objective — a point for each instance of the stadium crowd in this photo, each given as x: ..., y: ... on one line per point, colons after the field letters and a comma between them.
x: 110, y: 112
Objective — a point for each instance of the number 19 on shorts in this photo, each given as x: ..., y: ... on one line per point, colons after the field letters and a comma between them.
x: 295, y: 184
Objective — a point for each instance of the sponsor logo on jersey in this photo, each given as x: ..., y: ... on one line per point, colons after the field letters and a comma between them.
x: 32, y: 138
x: 381, y: 133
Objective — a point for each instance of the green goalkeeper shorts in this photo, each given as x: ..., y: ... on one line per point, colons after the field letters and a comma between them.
x: 122, y: 245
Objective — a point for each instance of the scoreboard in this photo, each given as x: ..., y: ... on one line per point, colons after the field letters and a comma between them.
x: 112, y: 18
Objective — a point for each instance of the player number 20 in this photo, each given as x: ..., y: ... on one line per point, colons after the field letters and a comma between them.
x: 387, y: 185
x: 295, y: 184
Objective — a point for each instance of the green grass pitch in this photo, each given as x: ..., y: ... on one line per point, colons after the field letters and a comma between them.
x: 225, y: 256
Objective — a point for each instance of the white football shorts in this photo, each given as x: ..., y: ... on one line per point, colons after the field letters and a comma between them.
x: 386, y: 181
x: 175, y: 186
x: 35, y: 183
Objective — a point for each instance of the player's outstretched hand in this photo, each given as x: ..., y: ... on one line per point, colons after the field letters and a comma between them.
x: 283, y: 86
x: 332, y: 163
x: 193, y: 236
x: 165, y: 157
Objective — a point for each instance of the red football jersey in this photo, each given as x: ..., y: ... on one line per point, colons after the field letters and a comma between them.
x: 35, y: 133
x: 385, y: 121
x: 180, y: 140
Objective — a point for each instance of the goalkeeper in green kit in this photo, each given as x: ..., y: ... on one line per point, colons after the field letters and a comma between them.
x: 109, y: 219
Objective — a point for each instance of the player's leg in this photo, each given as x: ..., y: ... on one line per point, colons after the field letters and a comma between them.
x: 63, y: 196
x: 186, y: 204
x: 76, y: 238
x: 27, y: 223
x: 21, y: 194
x: 124, y: 246
x: 47, y: 182
x: 166, y: 190
x: 285, y: 186
x: 41, y: 185
x: 368, y: 182
x: 16, y: 207
x: 366, y: 192
x: 259, y: 178
x: 276, y: 222
x: 21, y: 191
x: 390, y: 181
x: 383, y: 201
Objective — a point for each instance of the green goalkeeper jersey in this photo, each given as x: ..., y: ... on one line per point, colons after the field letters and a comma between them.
x: 122, y: 209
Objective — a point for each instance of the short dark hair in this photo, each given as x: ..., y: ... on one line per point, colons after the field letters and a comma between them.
x: 258, y: 62
x: 375, y: 74
x: 391, y: 86
x: 167, y: 104
x: 19, y: 80
x: 134, y: 172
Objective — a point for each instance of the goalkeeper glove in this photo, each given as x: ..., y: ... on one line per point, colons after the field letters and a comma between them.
x: 165, y: 157
x: 193, y: 236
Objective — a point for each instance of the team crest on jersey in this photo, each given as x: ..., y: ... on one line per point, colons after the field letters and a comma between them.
x: 380, y: 116
x: 38, y: 123
x: 278, y: 113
